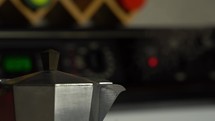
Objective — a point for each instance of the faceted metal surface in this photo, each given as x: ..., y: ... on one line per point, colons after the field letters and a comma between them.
x: 52, y: 95
x: 108, y: 94
x: 73, y: 102
x: 65, y: 102
x: 105, y: 93
x: 34, y: 103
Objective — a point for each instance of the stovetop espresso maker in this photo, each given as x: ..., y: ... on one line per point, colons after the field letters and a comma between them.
x: 52, y: 95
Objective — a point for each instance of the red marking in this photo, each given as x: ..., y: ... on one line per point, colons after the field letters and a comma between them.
x: 132, y: 5
x: 7, y: 107
x: 153, y: 62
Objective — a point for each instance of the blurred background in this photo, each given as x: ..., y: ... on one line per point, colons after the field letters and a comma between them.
x: 163, y: 52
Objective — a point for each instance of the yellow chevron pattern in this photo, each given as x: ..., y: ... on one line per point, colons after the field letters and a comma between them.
x: 81, y: 16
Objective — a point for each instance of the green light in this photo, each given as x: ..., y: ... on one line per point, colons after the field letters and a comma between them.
x: 13, y: 64
x: 35, y: 4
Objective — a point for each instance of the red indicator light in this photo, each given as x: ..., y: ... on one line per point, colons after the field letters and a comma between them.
x: 153, y: 62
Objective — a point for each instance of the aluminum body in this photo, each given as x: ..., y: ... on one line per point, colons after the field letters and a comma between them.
x: 64, y: 102
x: 52, y: 95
